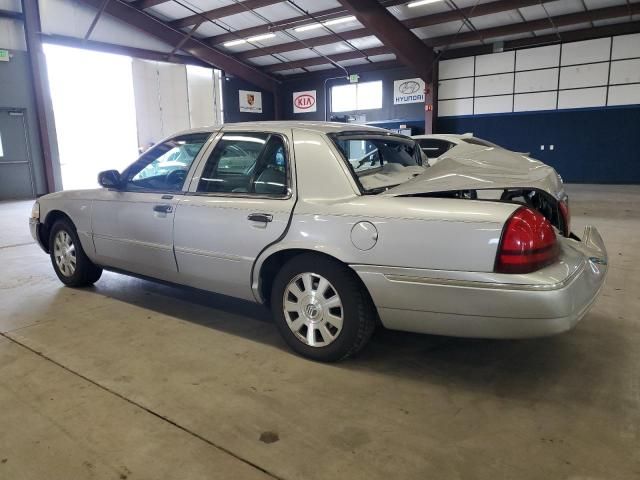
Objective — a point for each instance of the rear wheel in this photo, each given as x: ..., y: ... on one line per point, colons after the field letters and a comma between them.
x: 69, y: 261
x: 321, y: 309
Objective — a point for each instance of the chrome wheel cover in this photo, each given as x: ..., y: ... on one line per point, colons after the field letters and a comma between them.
x: 313, y: 309
x: 64, y: 253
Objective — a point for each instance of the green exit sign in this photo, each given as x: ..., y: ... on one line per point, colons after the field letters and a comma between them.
x: 353, y: 78
x: 4, y: 55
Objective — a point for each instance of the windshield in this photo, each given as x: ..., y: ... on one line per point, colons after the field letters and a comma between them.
x: 380, y: 161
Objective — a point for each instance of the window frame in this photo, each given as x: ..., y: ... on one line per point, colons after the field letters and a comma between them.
x: 190, y: 171
x: 192, y: 190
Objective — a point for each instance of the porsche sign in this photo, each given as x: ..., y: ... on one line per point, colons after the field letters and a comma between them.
x: 410, y: 90
x: 304, y: 102
x: 250, y: 101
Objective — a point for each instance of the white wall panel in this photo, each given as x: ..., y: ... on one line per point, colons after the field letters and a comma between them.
x: 626, y: 46
x: 625, y: 71
x: 588, y: 51
x: 624, y: 94
x: 583, y: 97
x: 162, y: 102
x: 145, y: 90
x: 587, y: 77
x: 541, y: 57
x: 527, y: 102
x: 174, y: 98
x: 495, y: 63
x: 458, y: 88
x: 459, y: 67
x: 591, y: 75
x: 536, y: 80
x: 12, y: 35
x: 494, y: 84
x: 449, y: 108
x: 200, y: 86
x: 501, y: 104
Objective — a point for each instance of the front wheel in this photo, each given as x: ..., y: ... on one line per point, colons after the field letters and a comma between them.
x: 69, y: 261
x: 321, y: 309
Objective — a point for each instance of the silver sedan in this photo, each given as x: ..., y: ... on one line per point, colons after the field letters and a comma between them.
x: 337, y: 228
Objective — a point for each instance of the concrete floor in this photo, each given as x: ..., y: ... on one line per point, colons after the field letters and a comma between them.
x: 134, y: 380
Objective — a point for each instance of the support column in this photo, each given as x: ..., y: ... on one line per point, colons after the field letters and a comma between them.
x: 44, y: 108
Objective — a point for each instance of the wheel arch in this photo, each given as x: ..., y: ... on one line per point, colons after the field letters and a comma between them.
x: 45, y: 227
x: 271, y: 265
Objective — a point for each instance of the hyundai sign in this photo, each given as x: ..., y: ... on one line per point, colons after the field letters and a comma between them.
x: 410, y: 90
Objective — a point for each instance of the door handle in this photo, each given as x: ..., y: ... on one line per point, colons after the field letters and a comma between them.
x: 163, y: 208
x: 260, y: 217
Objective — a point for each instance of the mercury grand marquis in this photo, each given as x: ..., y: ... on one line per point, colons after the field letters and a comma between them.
x: 337, y: 228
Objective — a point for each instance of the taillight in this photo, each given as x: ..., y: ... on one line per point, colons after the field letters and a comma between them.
x: 528, y: 243
x: 566, y: 216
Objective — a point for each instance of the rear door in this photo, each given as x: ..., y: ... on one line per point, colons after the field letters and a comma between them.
x: 239, y: 202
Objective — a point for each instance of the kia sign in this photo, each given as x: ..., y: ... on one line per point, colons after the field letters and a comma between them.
x: 410, y: 90
x: 304, y: 102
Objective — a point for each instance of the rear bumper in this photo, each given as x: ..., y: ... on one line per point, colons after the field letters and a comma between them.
x: 472, y: 304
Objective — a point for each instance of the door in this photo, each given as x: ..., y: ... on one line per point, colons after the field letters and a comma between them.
x: 133, y: 226
x: 16, y: 180
x: 239, y: 202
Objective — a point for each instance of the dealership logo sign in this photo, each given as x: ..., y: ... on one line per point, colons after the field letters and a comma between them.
x: 408, y: 91
x: 250, y: 102
x: 304, y: 102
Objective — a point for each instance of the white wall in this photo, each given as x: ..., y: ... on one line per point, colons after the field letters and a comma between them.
x: 170, y: 98
x: 591, y: 73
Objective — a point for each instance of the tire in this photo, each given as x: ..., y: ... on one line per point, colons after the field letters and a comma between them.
x: 69, y: 261
x: 315, y: 282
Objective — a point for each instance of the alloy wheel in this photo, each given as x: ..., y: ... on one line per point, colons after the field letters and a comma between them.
x: 313, y: 309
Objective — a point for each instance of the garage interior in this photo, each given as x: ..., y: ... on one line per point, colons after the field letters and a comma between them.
x: 133, y: 379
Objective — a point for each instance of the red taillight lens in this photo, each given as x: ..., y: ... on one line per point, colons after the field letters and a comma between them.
x: 566, y: 216
x: 528, y: 243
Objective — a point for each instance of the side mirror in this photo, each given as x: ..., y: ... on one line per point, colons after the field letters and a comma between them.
x: 109, y: 179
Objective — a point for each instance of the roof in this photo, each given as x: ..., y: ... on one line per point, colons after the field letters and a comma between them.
x: 320, y: 127
x: 284, y: 38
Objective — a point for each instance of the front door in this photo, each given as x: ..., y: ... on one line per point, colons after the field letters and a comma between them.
x: 133, y: 225
x: 16, y: 179
x: 239, y: 202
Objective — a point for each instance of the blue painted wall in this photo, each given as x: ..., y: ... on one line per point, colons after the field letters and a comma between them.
x: 590, y: 145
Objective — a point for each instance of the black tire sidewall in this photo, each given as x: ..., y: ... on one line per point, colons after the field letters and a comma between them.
x: 84, y: 267
x: 354, y: 302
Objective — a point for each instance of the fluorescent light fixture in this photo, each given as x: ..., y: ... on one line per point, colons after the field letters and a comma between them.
x: 328, y: 23
x: 421, y: 2
x: 233, y: 43
x: 338, y: 21
x: 257, y: 38
x: 264, y: 36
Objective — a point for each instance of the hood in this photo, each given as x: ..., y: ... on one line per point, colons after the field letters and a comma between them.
x: 482, y: 169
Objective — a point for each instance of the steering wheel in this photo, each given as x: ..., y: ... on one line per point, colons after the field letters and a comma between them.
x: 175, y: 178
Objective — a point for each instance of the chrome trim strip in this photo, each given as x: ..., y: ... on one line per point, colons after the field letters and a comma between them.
x: 445, y: 282
x: 133, y: 242
x: 206, y: 253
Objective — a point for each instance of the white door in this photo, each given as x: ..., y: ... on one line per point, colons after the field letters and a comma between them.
x: 240, y: 201
x: 133, y: 225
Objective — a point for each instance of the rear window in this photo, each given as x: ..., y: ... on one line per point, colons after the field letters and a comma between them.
x: 380, y: 161
x: 479, y: 141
